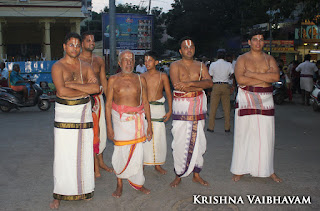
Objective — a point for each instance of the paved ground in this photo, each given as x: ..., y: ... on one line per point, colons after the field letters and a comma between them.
x: 26, y: 180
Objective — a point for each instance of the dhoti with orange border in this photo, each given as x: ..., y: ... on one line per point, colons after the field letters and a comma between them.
x: 189, y: 141
x: 254, y: 132
x: 129, y: 133
x: 99, y: 123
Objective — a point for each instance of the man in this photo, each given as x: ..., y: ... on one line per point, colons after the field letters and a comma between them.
x: 221, y: 72
x: 73, y: 167
x: 18, y: 83
x: 4, y: 74
x: 141, y: 68
x: 98, y: 110
x: 295, y: 76
x: 254, y: 114
x: 127, y: 104
x: 306, y: 69
x: 155, y: 151
x: 189, y: 108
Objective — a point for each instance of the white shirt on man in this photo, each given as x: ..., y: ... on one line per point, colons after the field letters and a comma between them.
x: 4, y: 73
x: 307, y: 68
x: 141, y: 69
x: 220, y: 71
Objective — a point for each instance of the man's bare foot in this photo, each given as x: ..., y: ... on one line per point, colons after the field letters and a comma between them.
x: 175, y: 182
x: 118, y: 192
x: 236, y: 178
x: 197, y: 178
x: 160, y: 169
x: 54, y: 205
x: 275, y: 178
x: 105, y: 167
x: 97, y: 174
x: 145, y: 190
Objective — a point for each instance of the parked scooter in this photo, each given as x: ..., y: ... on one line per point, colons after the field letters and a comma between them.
x: 315, y: 97
x: 10, y: 99
x: 280, y: 92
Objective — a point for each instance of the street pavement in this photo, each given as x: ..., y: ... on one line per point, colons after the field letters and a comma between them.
x: 27, y: 179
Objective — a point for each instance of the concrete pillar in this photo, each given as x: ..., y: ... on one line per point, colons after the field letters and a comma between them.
x: 2, y: 50
x: 46, y: 41
x: 75, y: 25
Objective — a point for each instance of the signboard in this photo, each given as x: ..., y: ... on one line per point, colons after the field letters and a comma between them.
x: 308, y: 33
x: 276, y: 45
x: 133, y: 31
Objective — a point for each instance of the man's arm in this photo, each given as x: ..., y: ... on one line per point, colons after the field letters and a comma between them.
x: 62, y: 90
x: 91, y: 87
x: 166, y: 85
x: 146, y: 107
x: 103, y: 77
x: 271, y: 76
x: 239, y: 72
x: 109, y: 101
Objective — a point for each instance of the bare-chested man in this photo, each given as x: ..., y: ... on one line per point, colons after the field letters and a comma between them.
x: 98, y: 110
x: 189, y: 79
x: 254, y: 114
x: 127, y: 104
x: 155, y: 151
x: 73, y: 168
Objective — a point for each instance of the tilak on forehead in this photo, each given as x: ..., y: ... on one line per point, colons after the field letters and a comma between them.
x: 148, y: 58
x: 259, y: 37
x: 188, y: 43
x: 90, y: 37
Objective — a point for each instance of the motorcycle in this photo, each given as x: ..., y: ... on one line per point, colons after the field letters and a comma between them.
x: 10, y: 99
x: 315, y: 97
x: 280, y: 92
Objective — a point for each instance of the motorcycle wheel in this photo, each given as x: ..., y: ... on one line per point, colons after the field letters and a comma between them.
x: 44, y: 105
x: 5, y: 108
x: 315, y: 106
x: 278, y: 99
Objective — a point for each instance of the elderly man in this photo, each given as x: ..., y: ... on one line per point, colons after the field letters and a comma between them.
x: 127, y: 105
x: 189, y: 78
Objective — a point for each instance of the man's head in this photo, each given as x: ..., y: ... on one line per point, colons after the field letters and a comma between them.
x: 307, y: 57
x: 16, y: 68
x: 187, y: 48
x: 256, y: 40
x: 2, y: 65
x: 140, y: 62
x: 126, y: 61
x: 72, y: 44
x: 151, y: 60
x: 88, y: 42
x: 221, y: 54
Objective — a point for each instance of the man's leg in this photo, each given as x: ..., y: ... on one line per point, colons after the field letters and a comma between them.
x: 214, y: 102
x: 54, y: 205
x: 303, y: 95
x: 118, y: 192
x: 102, y: 164
x: 275, y: 178
x: 225, y: 99
x: 96, y: 166
x: 197, y: 178
x: 307, y: 98
x: 160, y: 169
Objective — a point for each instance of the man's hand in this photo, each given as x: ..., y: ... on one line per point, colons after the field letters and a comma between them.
x: 181, y: 85
x: 167, y: 116
x: 149, y: 133
x: 110, y: 134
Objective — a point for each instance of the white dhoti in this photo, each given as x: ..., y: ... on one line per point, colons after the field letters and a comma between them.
x: 73, y: 169
x: 99, y: 121
x: 189, y: 141
x: 129, y: 133
x: 254, y: 132
x: 306, y: 82
x: 155, y: 151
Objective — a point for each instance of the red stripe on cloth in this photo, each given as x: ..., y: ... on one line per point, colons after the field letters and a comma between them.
x: 245, y: 112
x: 135, y: 186
x: 258, y: 89
x: 129, y: 158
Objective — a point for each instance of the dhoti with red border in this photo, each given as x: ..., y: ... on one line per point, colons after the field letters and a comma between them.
x: 254, y: 132
x: 129, y: 133
x: 189, y: 141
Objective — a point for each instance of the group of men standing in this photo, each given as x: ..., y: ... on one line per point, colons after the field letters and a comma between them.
x: 135, y: 117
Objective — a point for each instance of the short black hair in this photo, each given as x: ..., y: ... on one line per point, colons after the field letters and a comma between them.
x: 183, y: 39
x: 307, y: 57
x: 72, y: 35
x: 153, y: 54
x: 254, y: 32
x: 84, y: 34
x: 221, y: 55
